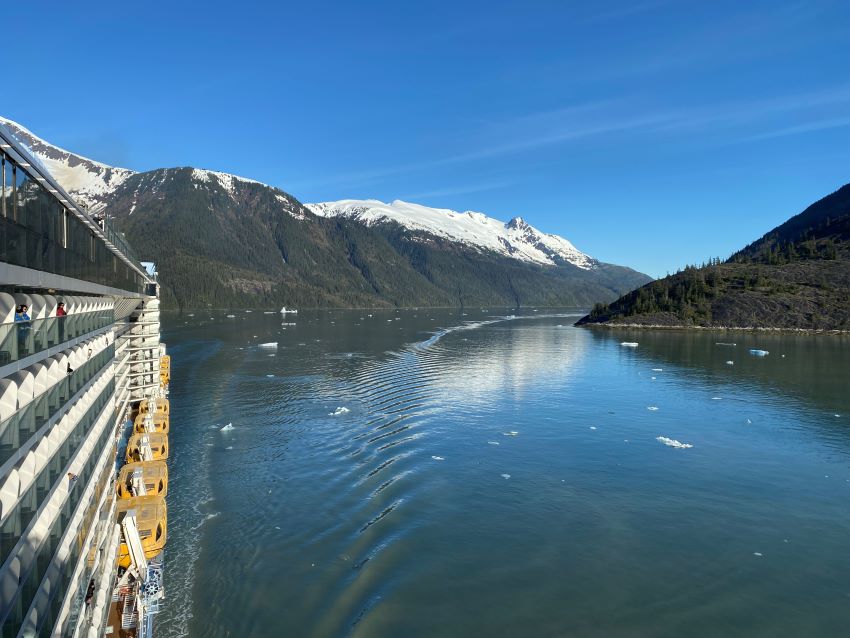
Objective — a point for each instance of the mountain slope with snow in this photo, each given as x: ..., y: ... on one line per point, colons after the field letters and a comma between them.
x: 87, y: 180
x: 516, y: 238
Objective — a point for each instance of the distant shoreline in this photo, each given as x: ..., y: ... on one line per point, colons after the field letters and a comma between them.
x: 643, y: 326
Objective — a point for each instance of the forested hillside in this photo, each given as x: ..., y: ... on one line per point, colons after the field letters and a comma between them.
x: 795, y: 276
x: 236, y: 242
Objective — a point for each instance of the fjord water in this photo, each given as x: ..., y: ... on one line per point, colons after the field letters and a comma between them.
x: 434, y: 473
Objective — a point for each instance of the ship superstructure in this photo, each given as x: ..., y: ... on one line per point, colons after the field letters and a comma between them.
x: 79, y: 352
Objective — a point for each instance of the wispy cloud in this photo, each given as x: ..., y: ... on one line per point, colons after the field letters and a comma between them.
x: 552, y: 128
x: 460, y: 190
x: 808, y: 127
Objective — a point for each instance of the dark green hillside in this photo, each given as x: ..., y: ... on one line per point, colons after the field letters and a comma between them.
x: 796, y: 276
x: 257, y: 246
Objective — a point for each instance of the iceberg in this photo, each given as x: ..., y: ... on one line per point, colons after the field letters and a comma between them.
x: 673, y: 443
x: 758, y: 353
x: 629, y: 344
x: 270, y: 344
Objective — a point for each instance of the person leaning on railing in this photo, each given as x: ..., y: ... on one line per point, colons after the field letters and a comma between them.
x: 22, y: 318
x: 61, y: 313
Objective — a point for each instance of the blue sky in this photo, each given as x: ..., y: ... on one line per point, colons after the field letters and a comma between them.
x: 649, y: 133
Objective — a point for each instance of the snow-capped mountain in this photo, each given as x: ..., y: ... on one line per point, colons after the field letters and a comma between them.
x: 87, y: 180
x: 515, y: 238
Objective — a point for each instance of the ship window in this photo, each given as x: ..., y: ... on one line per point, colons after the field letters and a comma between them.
x: 3, y: 165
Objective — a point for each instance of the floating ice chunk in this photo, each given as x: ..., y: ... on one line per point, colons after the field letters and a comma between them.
x: 652, y: 408
x: 338, y: 411
x: 730, y: 363
x: 653, y: 378
x: 759, y: 554
x: 269, y: 376
x: 229, y: 447
x: 629, y: 344
x: 758, y: 353
x: 837, y: 416
x: 269, y: 312
x: 276, y: 526
x: 505, y: 476
x: 592, y: 427
x: 511, y: 433
x: 720, y: 343
x: 716, y: 398
x: 438, y: 458
x: 673, y: 442
x: 231, y: 316
x: 228, y: 427
x: 492, y: 442
x: 749, y: 422
x: 270, y: 344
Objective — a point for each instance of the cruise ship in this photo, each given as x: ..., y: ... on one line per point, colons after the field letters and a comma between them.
x: 84, y: 416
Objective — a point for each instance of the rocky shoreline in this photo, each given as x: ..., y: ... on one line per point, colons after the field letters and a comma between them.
x: 645, y: 326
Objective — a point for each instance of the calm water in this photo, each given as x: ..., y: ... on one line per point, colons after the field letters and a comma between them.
x: 427, y: 473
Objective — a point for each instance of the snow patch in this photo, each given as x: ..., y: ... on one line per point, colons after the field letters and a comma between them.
x: 515, y: 239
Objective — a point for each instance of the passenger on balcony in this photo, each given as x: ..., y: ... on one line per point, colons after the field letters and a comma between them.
x: 22, y: 318
x: 61, y: 313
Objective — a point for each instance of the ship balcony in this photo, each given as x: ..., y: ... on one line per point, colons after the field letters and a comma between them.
x: 19, y: 340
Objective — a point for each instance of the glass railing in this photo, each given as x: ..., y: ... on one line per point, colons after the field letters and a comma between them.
x: 24, y: 338
x: 33, y: 580
x: 119, y: 241
x: 20, y: 516
x: 18, y: 428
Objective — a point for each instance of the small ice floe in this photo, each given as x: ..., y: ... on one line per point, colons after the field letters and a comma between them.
x: 837, y: 416
x: 338, y: 411
x: 268, y: 312
x: 673, y: 443
x: 276, y: 526
x: 652, y: 378
x: 652, y: 408
x: 759, y: 554
x: 438, y: 458
x: 249, y: 311
x: 730, y: 363
x: 231, y: 316
x: 227, y: 428
x: 716, y: 398
x: 492, y: 443
x: 270, y: 344
x: 511, y: 433
x: 505, y: 476
x: 720, y: 343
x: 592, y: 427
x: 629, y: 344
x: 229, y: 447
x: 658, y: 369
x: 269, y: 376
x: 749, y: 422
x: 758, y: 353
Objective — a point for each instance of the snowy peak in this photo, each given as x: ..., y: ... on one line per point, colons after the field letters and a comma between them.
x: 84, y: 178
x: 516, y: 238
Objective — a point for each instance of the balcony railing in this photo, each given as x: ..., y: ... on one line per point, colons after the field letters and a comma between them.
x: 17, y: 429
x: 24, y: 338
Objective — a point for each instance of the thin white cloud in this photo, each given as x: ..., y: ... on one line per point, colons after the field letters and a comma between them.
x: 809, y: 127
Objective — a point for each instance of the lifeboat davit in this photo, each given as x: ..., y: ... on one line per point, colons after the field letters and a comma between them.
x: 151, y: 521
x: 157, y: 441
x: 161, y: 405
x: 153, y: 474
x: 159, y: 421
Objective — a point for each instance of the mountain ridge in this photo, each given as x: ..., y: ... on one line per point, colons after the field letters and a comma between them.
x: 222, y: 240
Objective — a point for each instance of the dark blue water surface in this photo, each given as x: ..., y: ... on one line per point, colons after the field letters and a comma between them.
x: 434, y: 473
